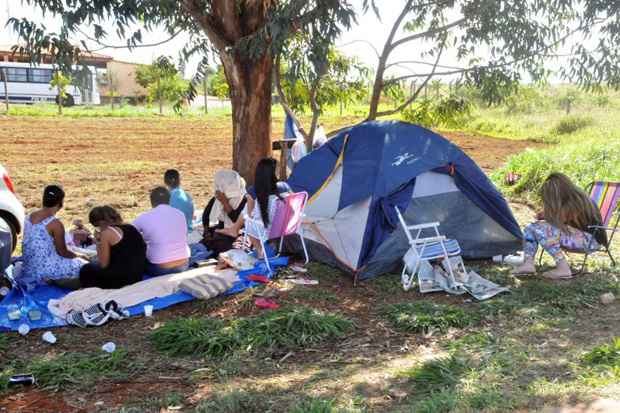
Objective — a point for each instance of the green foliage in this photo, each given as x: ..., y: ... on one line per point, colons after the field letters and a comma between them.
x: 526, y: 100
x: 571, y: 124
x: 493, y: 84
x: 218, y: 85
x: 424, y: 316
x: 583, y: 162
x: 280, y: 330
x: 604, y: 355
x: 601, y: 365
x: 449, y: 111
x: 338, y: 79
x: 60, y: 82
x: 163, y: 81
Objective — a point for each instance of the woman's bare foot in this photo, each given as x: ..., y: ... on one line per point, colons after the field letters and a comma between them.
x: 561, y: 272
x: 231, y: 232
x: 527, y: 268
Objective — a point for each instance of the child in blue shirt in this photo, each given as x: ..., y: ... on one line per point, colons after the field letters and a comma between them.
x: 179, y: 199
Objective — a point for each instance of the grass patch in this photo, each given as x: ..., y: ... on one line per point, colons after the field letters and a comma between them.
x: 424, y: 316
x: 571, y: 124
x: 538, y: 299
x: 583, y: 162
x: 437, y: 375
x: 72, y: 369
x: 439, y: 402
x: 285, y: 329
x: 235, y: 402
x: 4, y: 342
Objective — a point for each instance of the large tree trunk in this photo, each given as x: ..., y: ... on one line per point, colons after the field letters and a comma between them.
x: 250, y: 86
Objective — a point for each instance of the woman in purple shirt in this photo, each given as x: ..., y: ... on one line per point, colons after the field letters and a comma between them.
x: 164, y: 230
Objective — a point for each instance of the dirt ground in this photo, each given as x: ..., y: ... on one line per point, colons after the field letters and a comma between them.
x: 117, y: 161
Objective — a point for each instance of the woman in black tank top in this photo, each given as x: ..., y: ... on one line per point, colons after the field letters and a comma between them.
x: 120, y: 249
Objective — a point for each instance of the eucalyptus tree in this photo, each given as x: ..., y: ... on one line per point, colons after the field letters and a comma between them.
x: 247, y: 36
x: 496, y: 42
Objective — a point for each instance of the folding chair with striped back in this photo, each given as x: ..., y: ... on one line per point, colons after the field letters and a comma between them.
x: 606, y: 196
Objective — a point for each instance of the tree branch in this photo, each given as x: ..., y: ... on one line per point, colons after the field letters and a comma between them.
x: 427, y: 33
x: 109, y: 46
x: 361, y: 41
x: 418, y: 91
x: 419, y: 62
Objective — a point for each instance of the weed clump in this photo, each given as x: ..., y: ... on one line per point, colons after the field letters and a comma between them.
x: 424, y: 316
x: 607, y: 355
x: 281, y: 330
x: 81, y: 369
x: 571, y: 124
x: 437, y: 374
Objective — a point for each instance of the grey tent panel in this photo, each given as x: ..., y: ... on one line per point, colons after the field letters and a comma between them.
x: 478, y: 235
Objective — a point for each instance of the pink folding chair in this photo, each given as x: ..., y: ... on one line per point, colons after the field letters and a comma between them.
x: 286, y: 221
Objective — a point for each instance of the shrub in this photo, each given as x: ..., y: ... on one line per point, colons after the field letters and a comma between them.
x: 424, y: 316
x: 571, y: 124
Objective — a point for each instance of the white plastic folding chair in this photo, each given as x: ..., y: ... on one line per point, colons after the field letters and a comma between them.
x: 430, y: 248
x: 286, y: 221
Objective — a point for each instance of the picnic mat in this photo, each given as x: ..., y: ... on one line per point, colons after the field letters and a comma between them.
x: 43, y: 293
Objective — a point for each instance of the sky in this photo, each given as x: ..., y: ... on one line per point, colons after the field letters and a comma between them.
x: 361, y: 41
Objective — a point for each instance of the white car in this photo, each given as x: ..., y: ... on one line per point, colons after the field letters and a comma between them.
x: 12, y: 216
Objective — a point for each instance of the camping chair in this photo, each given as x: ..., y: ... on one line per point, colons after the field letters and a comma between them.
x: 606, y: 196
x: 426, y: 249
x: 286, y: 221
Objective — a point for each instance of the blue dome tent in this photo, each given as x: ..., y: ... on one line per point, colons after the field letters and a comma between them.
x: 357, y: 178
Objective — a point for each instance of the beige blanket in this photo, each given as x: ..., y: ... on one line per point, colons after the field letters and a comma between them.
x: 137, y: 293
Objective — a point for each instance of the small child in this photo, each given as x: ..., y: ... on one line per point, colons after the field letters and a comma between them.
x: 80, y: 235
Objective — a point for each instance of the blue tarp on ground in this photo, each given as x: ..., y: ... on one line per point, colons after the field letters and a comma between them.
x: 43, y: 293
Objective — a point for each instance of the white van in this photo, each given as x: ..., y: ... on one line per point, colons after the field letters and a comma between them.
x: 27, y: 83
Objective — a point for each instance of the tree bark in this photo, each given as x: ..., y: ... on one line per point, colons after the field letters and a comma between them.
x: 250, y: 82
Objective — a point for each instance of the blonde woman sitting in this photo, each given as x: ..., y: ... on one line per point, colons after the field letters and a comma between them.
x: 566, y: 222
